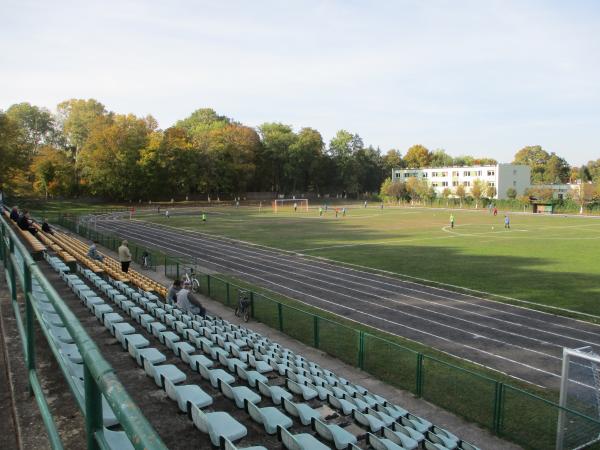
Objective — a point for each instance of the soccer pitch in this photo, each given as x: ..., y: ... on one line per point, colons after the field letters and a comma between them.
x: 549, y: 260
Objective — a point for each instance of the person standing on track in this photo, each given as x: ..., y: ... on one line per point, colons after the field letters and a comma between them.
x: 365, y: 203
x: 124, y: 256
x: 451, y: 220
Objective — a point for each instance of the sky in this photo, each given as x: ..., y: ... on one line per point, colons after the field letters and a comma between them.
x: 480, y: 77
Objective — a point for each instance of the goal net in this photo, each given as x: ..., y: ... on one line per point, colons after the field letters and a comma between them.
x: 579, y: 416
x: 290, y: 204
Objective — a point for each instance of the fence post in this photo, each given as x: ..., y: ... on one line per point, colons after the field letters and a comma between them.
x: 227, y: 289
x: 361, y: 350
x: 93, y: 409
x: 498, y: 397
x: 419, y: 392
x: 252, y: 304
x: 316, y: 330
x: 165, y: 265
x: 29, y: 324
x: 208, y: 285
x: 280, y: 316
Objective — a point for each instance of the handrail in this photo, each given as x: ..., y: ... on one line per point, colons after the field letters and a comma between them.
x: 99, y: 376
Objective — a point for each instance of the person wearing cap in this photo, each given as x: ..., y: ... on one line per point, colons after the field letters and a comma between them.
x: 188, y: 302
x: 124, y: 256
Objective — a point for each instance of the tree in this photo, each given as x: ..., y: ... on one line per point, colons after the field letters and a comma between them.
x: 392, y: 160
x: 79, y: 118
x: 477, y: 191
x: 446, y: 193
x: 395, y: 189
x: 304, y: 154
x: 490, y: 191
x: 439, y: 158
x: 461, y: 193
x: 583, y: 193
x: 53, y: 172
x: 277, y: 139
x: 557, y: 170
x: 536, y: 158
x: 511, y: 193
x: 540, y: 193
x: 463, y: 160
x: 36, y: 124
x: 342, y: 149
x: 417, y: 156
x: 13, y: 152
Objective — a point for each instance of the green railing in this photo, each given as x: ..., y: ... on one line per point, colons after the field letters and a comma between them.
x: 99, y: 377
x: 509, y: 412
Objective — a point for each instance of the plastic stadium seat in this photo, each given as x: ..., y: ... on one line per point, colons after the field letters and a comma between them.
x: 251, y: 376
x: 275, y: 393
x: 134, y: 340
x: 164, y: 372
x: 303, y: 441
x: 214, y: 375
x: 149, y: 354
x: 187, y: 395
x: 333, y: 433
x: 239, y: 394
x: 120, y: 330
x: 408, y: 431
x: 392, y: 410
x: 108, y: 417
x: 306, y: 392
x: 378, y: 443
x: 340, y: 404
x: 368, y: 421
x: 217, y: 424
x: 270, y: 418
x: 300, y: 410
x: 231, y: 363
x: 194, y: 360
x: 226, y: 444
x: 156, y: 328
x: 260, y: 366
x: 117, y: 440
x: 428, y: 445
x: 419, y: 424
x: 387, y: 420
x: 183, y: 350
x: 401, y: 438
x: 447, y: 443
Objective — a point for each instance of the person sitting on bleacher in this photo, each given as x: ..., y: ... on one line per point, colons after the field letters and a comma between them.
x: 25, y: 223
x: 188, y: 302
x: 93, y: 252
x: 14, y: 214
x: 46, y: 227
x: 173, y: 291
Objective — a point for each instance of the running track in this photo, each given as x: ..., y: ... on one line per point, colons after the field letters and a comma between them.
x: 520, y: 342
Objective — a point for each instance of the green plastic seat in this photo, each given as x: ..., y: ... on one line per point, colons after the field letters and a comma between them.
x: 117, y: 440
x: 303, y: 441
x: 215, y: 375
x: 275, y: 393
x: 187, y: 395
x: 194, y: 360
x: 300, y: 410
x: 239, y: 394
x: 270, y: 418
x: 367, y: 420
x: 378, y: 443
x: 333, y: 433
x: 135, y: 340
x: 400, y: 438
x: 217, y: 424
x: 306, y: 392
x: 250, y: 376
x: 164, y: 372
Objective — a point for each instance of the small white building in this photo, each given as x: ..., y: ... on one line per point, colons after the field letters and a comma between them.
x: 500, y: 176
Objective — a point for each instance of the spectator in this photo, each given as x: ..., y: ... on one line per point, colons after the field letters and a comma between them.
x: 124, y: 256
x: 93, y: 252
x: 173, y: 291
x: 25, y: 223
x: 188, y: 302
x: 46, y: 227
x: 14, y: 214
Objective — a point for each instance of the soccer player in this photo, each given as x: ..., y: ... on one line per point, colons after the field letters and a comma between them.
x: 295, y: 206
x: 320, y: 211
x: 203, y: 217
x: 167, y: 214
x: 451, y: 220
x: 507, y: 222
x: 343, y: 212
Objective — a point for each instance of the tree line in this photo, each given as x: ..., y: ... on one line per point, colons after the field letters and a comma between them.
x: 85, y: 150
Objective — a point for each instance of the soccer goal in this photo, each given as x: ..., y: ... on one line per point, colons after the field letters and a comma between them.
x: 579, y: 417
x: 290, y: 204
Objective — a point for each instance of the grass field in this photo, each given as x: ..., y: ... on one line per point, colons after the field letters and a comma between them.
x: 549, y: 260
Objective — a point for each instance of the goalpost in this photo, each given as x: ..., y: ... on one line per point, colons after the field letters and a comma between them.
x: 290, y: 204
x: 579, y: 417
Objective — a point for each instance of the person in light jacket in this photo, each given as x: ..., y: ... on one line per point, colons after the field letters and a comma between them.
x: 124, y: 256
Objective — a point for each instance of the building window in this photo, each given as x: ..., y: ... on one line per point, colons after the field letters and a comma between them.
x: 478, y: 173
x: 514, y: 184
x: 466, y: 183
x: 455, y: 173
x: 434, y: 174
x: 444, y: 183
x: 491, y: 173
x: 435, y: 184
x: 491, y: 183
x: 455, y: 183
x: 467, y: 173
x: 424, y: 174
x: 514, y: 171
x: 444, y: 174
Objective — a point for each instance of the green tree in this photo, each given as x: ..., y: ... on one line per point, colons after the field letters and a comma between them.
x: 304, y: 155
x: 490, y: 191
x: 13, y: 152
x: 37, y: 125
x: 477, y: 191
x: 343, y: 148
x: 536, y: 158
x: 392, y: 160
x: 557, y: 170
x: 277, y: 139
x: 511, y: 193
x: 53, y: 171
x: 79, y: 118
x: 439, y: 158
x: 417, y: 156
x: 461, y: 193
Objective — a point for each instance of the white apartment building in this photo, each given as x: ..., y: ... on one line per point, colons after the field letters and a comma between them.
x: 501, y: 176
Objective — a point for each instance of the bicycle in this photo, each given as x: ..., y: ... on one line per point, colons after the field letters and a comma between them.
x: 243, y: 307
x: 191, y: 278
x: 146, y: 260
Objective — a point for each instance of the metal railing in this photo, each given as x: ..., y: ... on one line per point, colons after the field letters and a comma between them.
x: 99, y: 377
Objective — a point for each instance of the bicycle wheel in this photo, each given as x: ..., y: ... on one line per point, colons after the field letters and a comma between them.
x: 247, y: 314
x: 195, y: 285
x: 237, y: 311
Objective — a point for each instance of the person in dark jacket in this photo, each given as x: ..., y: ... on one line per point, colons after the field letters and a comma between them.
x: 14, y: 214
x: 46, y: 227
x: 25, y: 223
